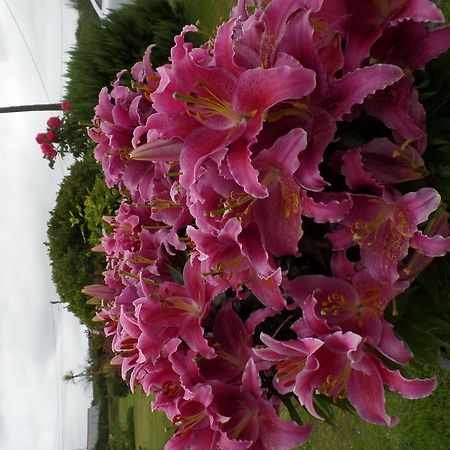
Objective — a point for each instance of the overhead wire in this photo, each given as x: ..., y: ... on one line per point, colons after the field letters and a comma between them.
x: 61, y: 68
x: 61, y: 35
x: 30, y: 53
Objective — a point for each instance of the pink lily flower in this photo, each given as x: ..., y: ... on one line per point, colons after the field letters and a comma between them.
x: 99, y: 291
x: 131, y: 242
x: 368, y: 21
x: 230, y: 342
x: 197, y: 424
x: 380, y: 162
x: 331, y: 304
x: 239, y: 257
x: 333, y: 98
x: 405, y: 162
x: 417, y: 262
x: 124, y: 342
x: 258, y: 36
x: 233, y: 249
x: 385, y: 228
x: 119, y: 115
x: 116, y: 117
x: 344, y: 369
x: 251, y: 419
x: 398, y: 44
x: 279, y: 215
x: 219, y: 107
x: 178, y: 311
x: 281, y: 228
x: 341, y: 368
x: 160, y: 379
x: 398, y: 107
x: 290, y: 357
x: 215, y: 198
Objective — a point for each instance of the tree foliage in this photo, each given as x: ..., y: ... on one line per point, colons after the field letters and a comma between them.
x: 105, y: 47
x: 73, y: 264
x: 100, y: 201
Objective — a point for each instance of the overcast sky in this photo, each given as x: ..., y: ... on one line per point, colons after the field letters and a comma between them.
x: 38, y: 341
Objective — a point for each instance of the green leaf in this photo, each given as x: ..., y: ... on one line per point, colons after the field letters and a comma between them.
x: 294, y: 415
x: 324, y: 408
x: 176, y: 274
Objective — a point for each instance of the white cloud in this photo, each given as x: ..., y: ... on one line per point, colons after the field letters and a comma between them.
x: 37, y: 410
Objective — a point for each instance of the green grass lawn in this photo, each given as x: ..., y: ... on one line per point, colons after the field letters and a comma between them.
x: 149, y: 429
x: 424, y: 425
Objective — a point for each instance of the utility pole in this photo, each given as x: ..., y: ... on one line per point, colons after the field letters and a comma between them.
x: 25, y: 108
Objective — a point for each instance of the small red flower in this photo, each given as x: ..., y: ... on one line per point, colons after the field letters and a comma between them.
x: 50, y: 136
x: 65, y: 105
x: 41, y: 138
x: 48, y: 150
x: 54, y: 122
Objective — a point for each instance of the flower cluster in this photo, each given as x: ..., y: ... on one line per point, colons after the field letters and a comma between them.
x: 256, y: 251
x: 49, y: 138
x: 63, y: 135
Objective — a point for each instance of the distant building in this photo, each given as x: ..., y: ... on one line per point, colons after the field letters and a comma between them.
x: 92, y: 426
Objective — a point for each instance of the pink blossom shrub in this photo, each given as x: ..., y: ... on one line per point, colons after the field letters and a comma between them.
x: 48, y: 139
x: 63, y: 135
x: 254, y: 255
